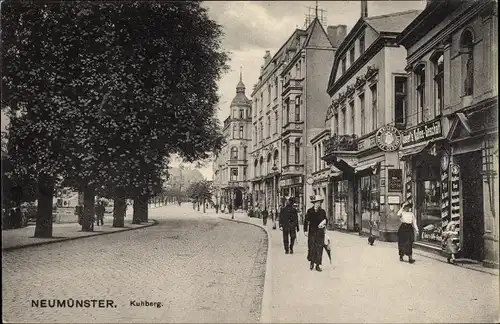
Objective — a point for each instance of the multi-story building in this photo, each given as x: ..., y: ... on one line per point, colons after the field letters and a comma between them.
x: 367, y: 89
x: 287, y: 100
x: 450, y: 143
x: 230, y: 166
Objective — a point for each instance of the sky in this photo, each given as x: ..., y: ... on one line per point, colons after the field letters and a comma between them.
x: 252, y: 27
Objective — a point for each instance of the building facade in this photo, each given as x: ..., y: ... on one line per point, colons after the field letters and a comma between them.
x: 450, y: 143
x: 230, y: 166
x: 368, y: 104
x: 287, y: 100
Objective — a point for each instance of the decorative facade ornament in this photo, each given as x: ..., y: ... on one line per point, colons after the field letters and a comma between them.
x: 329, y: 112
x: 340, y: 143
x: 371, y: 72
x: 342, y: 97
x: 360, y: 81
x: 349, y: 91
x: 335, y: 103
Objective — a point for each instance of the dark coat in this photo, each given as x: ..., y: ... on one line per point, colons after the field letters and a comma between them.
x: 288, y: 217
x: 313, y: 218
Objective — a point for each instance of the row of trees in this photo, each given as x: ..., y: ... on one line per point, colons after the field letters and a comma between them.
x: 99, y: 95
x: 200, y: 192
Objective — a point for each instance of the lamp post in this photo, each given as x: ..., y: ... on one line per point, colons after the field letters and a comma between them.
x: 275, y: 186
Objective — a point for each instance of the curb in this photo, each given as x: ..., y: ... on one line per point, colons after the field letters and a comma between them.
x: 76, y: 238
x: 265, y: 308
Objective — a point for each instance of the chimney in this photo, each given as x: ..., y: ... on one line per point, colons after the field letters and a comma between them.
x: 336, y: 34
x: 364, y: 9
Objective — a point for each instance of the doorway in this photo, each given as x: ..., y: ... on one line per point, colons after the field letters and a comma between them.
x: 472, y: 205
x: 238, y: 198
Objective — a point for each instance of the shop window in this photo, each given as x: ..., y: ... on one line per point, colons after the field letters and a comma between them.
x: 400, y: 100
x: 370, y: 198
x: 297, y: 108
x: 340, y: 196
x: 467, y: 51
x: 420, y: 78
x: 297, y: 151
x: 234, y: 153
x: 362, y: 113
x: 430, y: 215
x: 438, y: 83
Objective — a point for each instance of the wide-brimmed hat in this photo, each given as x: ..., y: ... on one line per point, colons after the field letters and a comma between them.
x: 316, y: 198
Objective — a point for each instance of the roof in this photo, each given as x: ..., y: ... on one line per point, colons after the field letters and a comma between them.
x: 392, y: 23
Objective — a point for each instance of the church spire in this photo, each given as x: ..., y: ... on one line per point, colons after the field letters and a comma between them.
x: 240, y: 87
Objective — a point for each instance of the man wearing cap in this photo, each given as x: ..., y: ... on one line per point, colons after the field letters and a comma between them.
x: 315, y: 221
x: 289, y: 224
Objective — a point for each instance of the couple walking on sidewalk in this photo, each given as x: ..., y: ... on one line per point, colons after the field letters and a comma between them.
x: 314, y: 222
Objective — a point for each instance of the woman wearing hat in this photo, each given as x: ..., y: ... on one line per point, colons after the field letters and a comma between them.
x: 407, y: 232
x: 315, y: 221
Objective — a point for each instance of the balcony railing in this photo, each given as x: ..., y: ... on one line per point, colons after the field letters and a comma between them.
x: 340, y: 143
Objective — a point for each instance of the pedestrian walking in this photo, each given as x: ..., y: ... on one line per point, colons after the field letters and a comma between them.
x: 289, y: 224
x: 265, y: 215
x: 450, y: 239
x: 406, y: 232
x: 216, y: 208
x: 99, y: 212
x: 315, y: 223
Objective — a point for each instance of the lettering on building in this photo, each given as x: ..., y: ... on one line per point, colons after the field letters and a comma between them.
x: 422, y: 133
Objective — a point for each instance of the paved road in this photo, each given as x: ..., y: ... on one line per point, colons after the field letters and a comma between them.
x: 200, y: 268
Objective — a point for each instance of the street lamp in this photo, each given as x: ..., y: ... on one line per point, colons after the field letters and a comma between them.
x: 275, y: 186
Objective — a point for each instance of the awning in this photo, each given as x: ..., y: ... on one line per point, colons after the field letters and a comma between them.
x: 407, y: 152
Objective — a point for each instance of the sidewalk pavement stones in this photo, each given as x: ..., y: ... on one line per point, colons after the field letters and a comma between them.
x: 23, y: 237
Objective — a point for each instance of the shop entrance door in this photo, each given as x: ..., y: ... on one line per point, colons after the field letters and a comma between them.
x: 472, y: 205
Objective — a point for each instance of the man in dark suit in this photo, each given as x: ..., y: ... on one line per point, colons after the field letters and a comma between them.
x: 289, y: 224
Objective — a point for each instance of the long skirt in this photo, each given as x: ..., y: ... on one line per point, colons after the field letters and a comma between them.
x: 315, y: 242
x: 451, y: 245
x: 406, y: 236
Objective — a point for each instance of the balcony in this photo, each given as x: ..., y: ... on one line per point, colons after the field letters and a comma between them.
x: 341, y: 151
x: 292, y: 84
x: 292, y: 170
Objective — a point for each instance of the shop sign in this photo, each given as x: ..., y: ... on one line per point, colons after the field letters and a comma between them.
x: 395, y: 179
x: 455, y: 192
x: 367, y: 143
x: 422, y: 133
x: 388, y: 138
x: 290, y: 181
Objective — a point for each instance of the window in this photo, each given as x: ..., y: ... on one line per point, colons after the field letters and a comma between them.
x: 297, y: 108
x: 276, y: 87
x: 261, y: 131
x: 269, y: 93
x: 256, y: 166
x: 362, y: 113
x: 276, y: 121
x: 255, y: 135
x: 343, y: 65
x: 351, y: 56
x: 287, y: 148
x: 234, y: 153
x: 467, y: 51
x: 287, y: 114
x: 420, y: 78
x: 242, y: 114
x: 399, y: 99
x: 337, y: 124
x: 353, y: 115
x: 234, y: 174
x: 269, y: 126
x: 261, y: 100
x: 373, y: 90
x: 249, y: 112
x: 244, y: 173
x: 438, y: 83
x: 297, y: 151
x: 244, y: 152
x: 241, y: 132
x: 344, y: 123
x: 361, y: 44
x: 234, y: 131
x: 320, y: 165
x: 315, y: 159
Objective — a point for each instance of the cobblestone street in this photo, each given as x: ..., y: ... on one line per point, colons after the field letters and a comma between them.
x: 200, y: 268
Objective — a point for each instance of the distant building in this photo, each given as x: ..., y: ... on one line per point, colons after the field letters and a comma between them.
x: 230, y: 167
x: 450, y: 144
x: 286, y: 102
x: 367, y: 88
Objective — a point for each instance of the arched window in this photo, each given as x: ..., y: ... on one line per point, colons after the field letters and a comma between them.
x: 275, y: 162
x: 438, y: 62
x: 420, y: 82
x: 234, y: 153
x: 297, y: 151
x: 269, y: 162
x: 467, y: 51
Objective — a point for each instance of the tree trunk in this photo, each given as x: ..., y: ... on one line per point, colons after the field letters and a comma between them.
x: 136, y: 218
x: 204, y: 204
x: 88, y: 209
x: 44, y: 211
x: 198, y: 205
x: 144, y: 210
x: 119, y: 209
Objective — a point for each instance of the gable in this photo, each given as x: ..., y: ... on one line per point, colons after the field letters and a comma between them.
x: 317, y: 36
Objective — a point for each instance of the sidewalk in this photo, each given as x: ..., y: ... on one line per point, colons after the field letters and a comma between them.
x: 368, y: 284
x: 23, y: 237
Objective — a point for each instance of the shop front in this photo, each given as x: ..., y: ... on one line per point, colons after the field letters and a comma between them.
x: 292, y: 187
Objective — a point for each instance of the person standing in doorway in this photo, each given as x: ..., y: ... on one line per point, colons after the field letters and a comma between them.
x: 315, y: 223
x: 407, y: 232
x: 289, y: 224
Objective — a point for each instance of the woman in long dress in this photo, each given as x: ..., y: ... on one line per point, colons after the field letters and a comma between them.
x: 451, y: 238
x: 406, y: 232
x: 315, y: 221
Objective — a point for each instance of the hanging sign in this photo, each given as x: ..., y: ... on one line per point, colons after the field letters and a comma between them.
x: 445, y: 191
x: 388, y: 138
